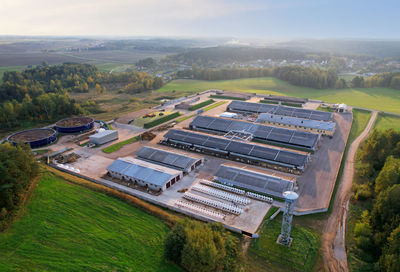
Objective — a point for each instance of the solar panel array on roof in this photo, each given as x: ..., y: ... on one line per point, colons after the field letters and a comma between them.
x: 140, y: 172
x: 260, y: 132
x: 166, y: 158
x: 240, y: 149
x: 252, y: 180
x: 296, y: 121
x: 241, y: 106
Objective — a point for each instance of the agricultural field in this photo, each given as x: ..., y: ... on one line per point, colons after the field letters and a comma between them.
x: 152, y: 117
x: 66, y: 227
x: 386, y: 121
x: 266, y: 255
x: 383, y: 99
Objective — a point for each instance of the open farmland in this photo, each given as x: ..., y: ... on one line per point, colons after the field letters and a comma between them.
x: 67, y: 227
x: 387, y: 121
x: 374, y: 98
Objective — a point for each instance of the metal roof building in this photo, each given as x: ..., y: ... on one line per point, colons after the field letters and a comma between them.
x: 247, y: 107
x: 170, y: 159
x: 253, y: 180
x: 143, y: 173
x: 326, y: 128
x: 250, y: 153
x: 269, y: 134
x: 104, y: 136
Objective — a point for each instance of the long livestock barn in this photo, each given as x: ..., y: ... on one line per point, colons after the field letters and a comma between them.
x: 314, y: 126
x: 252, y: 180
x: 274, y: 135
x: 180, y: 162
x: 250, y: 153
x: 155, y: 177
x: 250, y: 108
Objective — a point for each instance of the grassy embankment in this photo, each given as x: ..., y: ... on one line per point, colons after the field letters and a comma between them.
x: 119, y: 145
x: 374, y: 98
x: 66, y: 227
x: 265, y: 255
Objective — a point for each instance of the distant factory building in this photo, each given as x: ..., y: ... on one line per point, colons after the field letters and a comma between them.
x: 183, y: 163
x: 253, y: 180
x: 314, y: 126
x: 103, y: 136
x: 153, y: 176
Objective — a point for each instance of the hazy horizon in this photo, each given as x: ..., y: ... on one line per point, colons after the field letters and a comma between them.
x: 256, y: 19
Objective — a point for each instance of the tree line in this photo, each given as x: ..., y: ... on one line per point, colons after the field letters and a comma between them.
x: 296, y: 75
x: 377, y: 190
x: 386, y: 80
x: 201, y: 247
x: 18, y: 168
x: 42, y: 92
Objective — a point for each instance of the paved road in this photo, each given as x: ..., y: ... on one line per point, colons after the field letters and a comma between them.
x: 333, y: 238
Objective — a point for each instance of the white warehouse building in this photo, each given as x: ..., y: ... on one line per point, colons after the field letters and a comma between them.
x: 103, y: 137
x: 143, y: 173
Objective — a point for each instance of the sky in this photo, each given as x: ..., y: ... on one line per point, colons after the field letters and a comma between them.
x: 265, y: 19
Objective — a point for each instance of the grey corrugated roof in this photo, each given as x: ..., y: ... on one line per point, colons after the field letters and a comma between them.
x: 261, y: 132
x: 256, y: 181
x: 103, y: 133
x: 166, y: 158
x: 329, y: 126
x: 141, y: 172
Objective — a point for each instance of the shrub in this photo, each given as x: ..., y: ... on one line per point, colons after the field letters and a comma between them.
x: 227, y: 97
x: 202, y: 104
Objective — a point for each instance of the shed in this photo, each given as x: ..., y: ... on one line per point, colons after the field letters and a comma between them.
x: 103, y: 137
x: 169, y: 159
x: 155, y: 177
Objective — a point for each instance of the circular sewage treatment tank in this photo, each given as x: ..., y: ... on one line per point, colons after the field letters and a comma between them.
x: 36, y: 137
x: 74, y: 124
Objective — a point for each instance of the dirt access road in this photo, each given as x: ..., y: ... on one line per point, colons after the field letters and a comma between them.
x: 333, y: 238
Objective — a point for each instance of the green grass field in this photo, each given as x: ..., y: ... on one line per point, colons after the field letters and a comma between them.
x: 119, y: 145
x: 141, y: 120
x: 374, y: 98
x: 360, y: 121
x: 67, y: 227
x: 386, y: 121
x: 300, y: 256
x: 214, y: 105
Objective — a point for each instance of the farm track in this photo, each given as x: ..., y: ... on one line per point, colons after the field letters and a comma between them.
x: 333, y: 238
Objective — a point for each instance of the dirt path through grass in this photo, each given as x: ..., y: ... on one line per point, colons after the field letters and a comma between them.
x: 333, y: 238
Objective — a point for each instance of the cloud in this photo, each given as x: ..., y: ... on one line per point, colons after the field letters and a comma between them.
x: 116, y: 17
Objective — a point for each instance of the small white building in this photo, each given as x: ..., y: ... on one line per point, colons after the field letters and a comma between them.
x: 103, y: 137
x: 143, y: 173
x: 229, y: 115
x: 341, y: 107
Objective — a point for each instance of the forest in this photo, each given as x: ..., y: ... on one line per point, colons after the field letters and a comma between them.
x: 200, y: 247
x: 296, y: 75
x: 377, y: 193
x: 42, y: 92
x: 18, y: 168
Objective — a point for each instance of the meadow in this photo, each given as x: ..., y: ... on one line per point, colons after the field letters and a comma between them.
x: 386, y: 121
x: 382, y: 99
x: 266, y: 255
x: 66, y: 227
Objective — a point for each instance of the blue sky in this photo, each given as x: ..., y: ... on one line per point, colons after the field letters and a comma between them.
x: 284, y: 19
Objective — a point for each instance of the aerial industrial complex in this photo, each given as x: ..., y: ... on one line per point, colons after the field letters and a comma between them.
x: 230, y: 163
